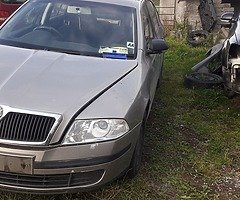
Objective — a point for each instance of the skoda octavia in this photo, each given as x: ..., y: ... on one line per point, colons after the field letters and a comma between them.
x: 77, y: 81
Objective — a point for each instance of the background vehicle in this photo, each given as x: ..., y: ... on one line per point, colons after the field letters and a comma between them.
x: 7, y: 7
x: 75, y: 99
x: 223, y: 59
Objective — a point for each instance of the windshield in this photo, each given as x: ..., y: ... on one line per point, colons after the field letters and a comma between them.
x: 73, y: 26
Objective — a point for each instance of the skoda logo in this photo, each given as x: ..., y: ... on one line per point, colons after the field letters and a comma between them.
x: 1, y: 112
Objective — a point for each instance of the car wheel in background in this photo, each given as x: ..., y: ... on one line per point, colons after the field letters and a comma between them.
x: 206, y: 80
x: 196, y: 38
x: 229, y: 93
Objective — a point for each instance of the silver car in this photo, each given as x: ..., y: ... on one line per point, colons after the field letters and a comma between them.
x: 77, y: 81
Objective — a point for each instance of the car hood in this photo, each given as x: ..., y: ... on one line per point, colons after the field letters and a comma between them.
x: 55, y: 82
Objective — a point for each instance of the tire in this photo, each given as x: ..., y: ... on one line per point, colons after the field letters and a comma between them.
x: 160, y: 79
x: 229, y: 93
x: 196, y: 38
x: 206, y: 80
x: 136, y: 161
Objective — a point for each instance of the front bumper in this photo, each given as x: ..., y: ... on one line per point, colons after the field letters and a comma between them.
x: 64, y: 169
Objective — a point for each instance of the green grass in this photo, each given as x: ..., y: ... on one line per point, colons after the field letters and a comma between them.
x: 192, y: 148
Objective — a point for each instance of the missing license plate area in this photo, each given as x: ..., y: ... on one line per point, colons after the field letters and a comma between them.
x: 16, y: 164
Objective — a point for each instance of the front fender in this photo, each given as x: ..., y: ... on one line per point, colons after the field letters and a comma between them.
x: 127, y: 100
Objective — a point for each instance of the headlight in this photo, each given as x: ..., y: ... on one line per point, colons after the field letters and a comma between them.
x: 89, y: 131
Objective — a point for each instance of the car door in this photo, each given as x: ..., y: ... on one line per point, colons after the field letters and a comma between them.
x: 152, y: 30
x: 158, y: 32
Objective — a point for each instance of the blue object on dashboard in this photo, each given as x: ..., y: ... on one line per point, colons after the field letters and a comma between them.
x: 115, y: 56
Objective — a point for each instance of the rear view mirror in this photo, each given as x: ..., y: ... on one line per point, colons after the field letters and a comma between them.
x: 157, y: 46
x: 227, y: 19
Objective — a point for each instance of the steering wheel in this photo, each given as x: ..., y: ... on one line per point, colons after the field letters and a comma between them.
x: 49, y: 29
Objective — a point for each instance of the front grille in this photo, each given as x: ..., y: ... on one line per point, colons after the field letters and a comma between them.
x: 51, y: 181
x: 25, y: 127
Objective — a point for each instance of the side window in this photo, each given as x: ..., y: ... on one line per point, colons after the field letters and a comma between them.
x: 158, y: 29
x: 147, y: 26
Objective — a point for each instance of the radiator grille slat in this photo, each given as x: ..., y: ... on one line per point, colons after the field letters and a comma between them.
x: 25, y: 127
x: 31, y: 127
x: 42, y: 123
x: 13, y: 125
x: 8, y: 119
x: 16, y: 128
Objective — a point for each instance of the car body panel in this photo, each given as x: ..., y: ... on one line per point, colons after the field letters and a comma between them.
x: 112, y: 168
x: 49, y: 68
x: 79, y: 87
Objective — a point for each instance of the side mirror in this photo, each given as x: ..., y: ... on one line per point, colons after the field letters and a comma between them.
x: 157, y: 46
x: 227, y: 19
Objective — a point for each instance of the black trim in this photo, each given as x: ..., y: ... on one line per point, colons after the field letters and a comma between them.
x: 80, y: 163
x: 50, y: 181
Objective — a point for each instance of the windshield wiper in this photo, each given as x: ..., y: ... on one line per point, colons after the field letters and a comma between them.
x: 74, y: 52
x: 131, y: 56
x: 94, y: 54
x: 64, y: 51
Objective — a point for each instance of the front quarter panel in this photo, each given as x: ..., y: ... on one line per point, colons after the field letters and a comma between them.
x: 127, y: 100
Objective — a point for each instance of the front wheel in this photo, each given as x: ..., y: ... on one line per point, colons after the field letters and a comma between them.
x: 136, y: 161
